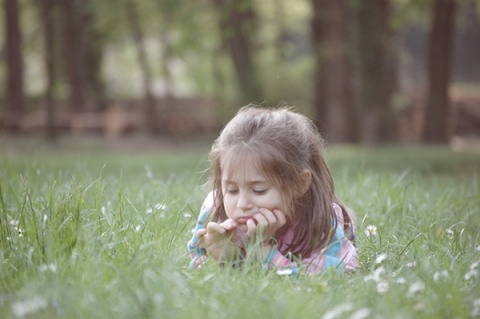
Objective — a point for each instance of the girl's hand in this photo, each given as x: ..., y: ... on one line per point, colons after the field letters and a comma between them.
x: 217, y: 240
x: 268, y: 223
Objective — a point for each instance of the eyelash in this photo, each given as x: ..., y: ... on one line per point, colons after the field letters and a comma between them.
x: 257, y: 192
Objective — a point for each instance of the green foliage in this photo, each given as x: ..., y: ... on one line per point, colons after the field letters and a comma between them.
x: 89, y: 234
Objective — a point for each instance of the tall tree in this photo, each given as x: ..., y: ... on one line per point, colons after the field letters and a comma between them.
x: 168, y: 12
x: 15, y: 87
x: 436, y: 124
x: 138, y: 37
x: 335, y: 114
x: 237, y: 25
x: 318, y: 26
x: 93, y: 43
x: 71, y: 23
x: 48, y: 17
x: 376, y: 59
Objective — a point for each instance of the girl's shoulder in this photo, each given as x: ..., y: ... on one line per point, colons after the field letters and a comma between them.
x: 207, y: 203
x: 345, y: 220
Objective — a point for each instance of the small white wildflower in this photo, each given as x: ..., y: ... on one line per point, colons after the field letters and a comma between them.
x: 138, y: 228
x: 160, y: 206
x: 438, y: 275
x: 14, y: 222
x: 156, y: 207
x: 471, y: 274
x: 361, y: 314
x: 382, y: 287
x: 375, y: 275
x: 476, y: 308
x: 449, y: 232
x: 401, y: 281
x: 26, y: 307
x: 415, y: 288
x: 474, y: 266
x: 338, y: 311
x: 73, y: 258
x: 284, y: 272
x: 411, y: 264
x: 380, y: 258
x: 477, y: 248
x: 371, y: 230
x: 42, y: 268
x: 297, y: 288
x: 51, y: 267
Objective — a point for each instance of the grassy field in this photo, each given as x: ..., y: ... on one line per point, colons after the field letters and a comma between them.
x: 92, y: 233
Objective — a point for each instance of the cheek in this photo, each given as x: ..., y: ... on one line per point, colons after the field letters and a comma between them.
x: 283, y: 204
x: 275, y: 200
x: 228, y: 205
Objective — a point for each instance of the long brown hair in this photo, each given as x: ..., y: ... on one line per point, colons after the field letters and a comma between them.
x: 282, y: 144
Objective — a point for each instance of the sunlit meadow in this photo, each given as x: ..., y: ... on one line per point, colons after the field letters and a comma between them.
x: 88, y: 233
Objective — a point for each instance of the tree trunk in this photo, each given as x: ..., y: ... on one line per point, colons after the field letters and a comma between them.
x: 150, y: 114
x: 334, y: 107
x: 72, y: 51
x: 47, y: 11
x: 237, y: 24
x: 376, y: 71
x: 168, y: 100
x: 318, y: 26
x: 15, y: 87
x: 93, y: 57
x: 436, y: 124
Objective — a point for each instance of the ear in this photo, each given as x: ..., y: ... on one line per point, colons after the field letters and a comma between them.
x: 306, y: 180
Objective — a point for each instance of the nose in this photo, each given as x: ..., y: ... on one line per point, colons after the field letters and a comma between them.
x: 244, y: 201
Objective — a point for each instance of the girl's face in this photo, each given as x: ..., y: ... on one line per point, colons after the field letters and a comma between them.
x: 245, y: 189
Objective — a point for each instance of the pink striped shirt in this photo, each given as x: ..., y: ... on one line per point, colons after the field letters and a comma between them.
x: 339, y: 254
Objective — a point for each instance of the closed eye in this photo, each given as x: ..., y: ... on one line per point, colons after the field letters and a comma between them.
x: 260, y: 191
x: 232, y: 191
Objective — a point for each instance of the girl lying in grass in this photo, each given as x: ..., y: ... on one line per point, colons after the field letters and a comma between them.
x: 273, y: 194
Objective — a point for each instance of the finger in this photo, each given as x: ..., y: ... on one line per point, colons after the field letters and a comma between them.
x: 251, y: 227
x: 269, y: 215
x: 262, y: 221
x: 229, y: 224
x: 282, y: 220
x: 215, y: 228
x: 201, y: 232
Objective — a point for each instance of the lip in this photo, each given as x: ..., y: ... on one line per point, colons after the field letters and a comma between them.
x: 244, y: 219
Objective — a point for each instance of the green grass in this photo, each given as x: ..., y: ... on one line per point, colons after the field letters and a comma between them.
x: 102, y: 234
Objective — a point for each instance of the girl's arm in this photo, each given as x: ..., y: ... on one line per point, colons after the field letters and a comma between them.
x: 197, y: 254
x: 274, y: 260
x: 212, y: 239
x: 340, y: 254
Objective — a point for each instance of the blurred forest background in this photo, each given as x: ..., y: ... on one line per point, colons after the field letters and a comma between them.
x: 367, y: 72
